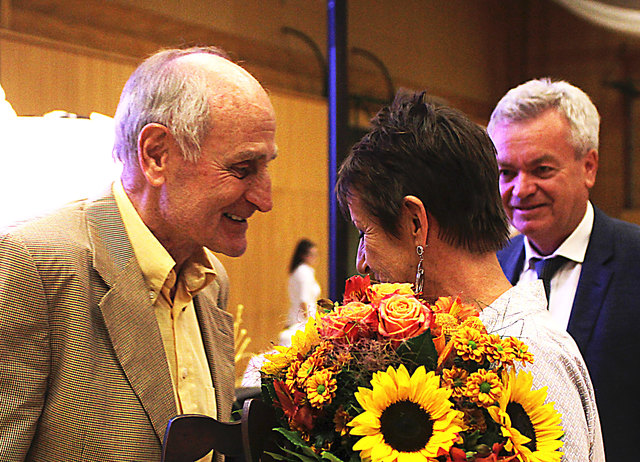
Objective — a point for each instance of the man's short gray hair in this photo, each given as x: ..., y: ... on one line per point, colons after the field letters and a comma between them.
x: 530, y: 99
x: 165, y: 91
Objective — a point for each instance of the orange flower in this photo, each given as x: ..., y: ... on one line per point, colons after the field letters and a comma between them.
x: 455, y: 379
x: 355, y: 289
x: 475, y: 323
x: 350, y: 323
x: 516, y: 351
x: 469, y: 344
x: 306, y: 370
x: 377, y: 292
x: 321, y: 388
x: 494, y: 349
x: 402, y: 317
x: 484, y: 387
x: 455, y: 308
x: 443, y: 324
x: 340, y: 419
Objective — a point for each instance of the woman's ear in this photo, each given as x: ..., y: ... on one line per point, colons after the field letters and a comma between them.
x: 153, y: 152
x: 415, y: 216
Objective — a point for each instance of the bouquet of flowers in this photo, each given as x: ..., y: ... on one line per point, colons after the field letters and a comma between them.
x: 386, y: 376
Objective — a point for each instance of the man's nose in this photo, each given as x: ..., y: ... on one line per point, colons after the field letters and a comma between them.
x: 259, y: 193
x: 523, y: 185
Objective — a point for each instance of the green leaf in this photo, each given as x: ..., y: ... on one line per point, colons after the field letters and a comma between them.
x: 420, y: 351
x: 268, y: 392
x: 277, y: 456
x: 302, y: 457
x: 328, y: 456
x: 293, y: 437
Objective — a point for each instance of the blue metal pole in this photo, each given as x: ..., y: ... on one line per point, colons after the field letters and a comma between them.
x: 338, y: 137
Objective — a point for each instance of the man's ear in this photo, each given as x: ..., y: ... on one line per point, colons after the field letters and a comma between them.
x: 416, y: 219
x: 590, y: 164
x: 153, y: 151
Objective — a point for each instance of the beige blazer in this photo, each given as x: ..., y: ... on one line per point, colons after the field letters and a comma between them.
x: 83, y: 373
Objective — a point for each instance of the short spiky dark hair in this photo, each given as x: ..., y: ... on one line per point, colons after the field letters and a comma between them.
x: 436, y: 154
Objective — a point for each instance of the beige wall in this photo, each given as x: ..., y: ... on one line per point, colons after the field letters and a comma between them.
x: 448, y: 47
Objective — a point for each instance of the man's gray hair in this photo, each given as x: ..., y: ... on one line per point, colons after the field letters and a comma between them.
x: 165, y: 91
x: 530, y: 99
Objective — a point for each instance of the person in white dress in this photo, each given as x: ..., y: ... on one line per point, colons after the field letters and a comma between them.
x: 304, y: 289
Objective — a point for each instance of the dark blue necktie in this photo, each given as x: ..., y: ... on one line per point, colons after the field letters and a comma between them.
x: 546, y: 270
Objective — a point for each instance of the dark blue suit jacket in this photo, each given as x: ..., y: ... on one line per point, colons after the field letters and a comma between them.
x: 605, y: 323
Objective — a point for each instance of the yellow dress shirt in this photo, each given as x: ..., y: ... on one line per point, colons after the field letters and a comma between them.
x: 172, y: 295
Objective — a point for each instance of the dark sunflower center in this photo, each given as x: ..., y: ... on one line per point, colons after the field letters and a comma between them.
x: 521, y: 421
x: 405, y: 426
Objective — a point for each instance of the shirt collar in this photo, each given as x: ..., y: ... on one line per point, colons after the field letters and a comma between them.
x: 574, y: 247
x: 154, y: 260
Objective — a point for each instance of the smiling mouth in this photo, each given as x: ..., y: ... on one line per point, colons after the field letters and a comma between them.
x: 235, y: 218
x: 527, y: 208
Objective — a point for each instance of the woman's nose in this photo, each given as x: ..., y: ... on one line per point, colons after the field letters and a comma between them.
x: 361, y: 257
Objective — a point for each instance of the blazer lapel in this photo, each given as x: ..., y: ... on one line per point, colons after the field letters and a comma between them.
x: 129, y: 315
x: 216, y: 327
x: 594, y: 279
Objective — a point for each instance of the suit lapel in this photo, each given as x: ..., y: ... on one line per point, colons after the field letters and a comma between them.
x: 512, y: 259
x: 594, y: 279
x: 129, y: 315
x: 216, y: 327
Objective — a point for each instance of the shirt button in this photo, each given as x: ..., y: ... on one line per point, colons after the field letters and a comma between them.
x: 152, y: 295
x: 185, y: 373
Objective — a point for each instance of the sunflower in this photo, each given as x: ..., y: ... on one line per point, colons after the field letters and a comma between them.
x: 533, y: 429
x: 405, y: 417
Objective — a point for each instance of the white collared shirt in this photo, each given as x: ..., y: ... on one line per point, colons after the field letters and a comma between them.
x: 565, y: 281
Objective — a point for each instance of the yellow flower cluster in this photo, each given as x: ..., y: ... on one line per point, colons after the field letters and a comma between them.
x: 472, y: 344
x: 301, y: 343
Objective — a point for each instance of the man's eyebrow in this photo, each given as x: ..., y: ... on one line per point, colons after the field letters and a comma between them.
x: 256, y: 155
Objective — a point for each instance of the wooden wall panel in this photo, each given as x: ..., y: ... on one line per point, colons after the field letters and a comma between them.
x: 42, y: 77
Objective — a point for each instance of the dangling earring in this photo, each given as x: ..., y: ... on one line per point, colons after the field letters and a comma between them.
x: 417, y: 288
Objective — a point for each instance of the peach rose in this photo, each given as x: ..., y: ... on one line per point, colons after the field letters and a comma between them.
x: 379, y: 291
x: 402, y: 317
x: 350, y: 323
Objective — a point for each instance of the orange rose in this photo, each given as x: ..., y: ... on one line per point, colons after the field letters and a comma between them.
x: 402, y: 317
x: 350, y: 323
x: 377, y: 292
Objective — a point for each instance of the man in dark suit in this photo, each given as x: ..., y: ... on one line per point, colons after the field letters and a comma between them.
x: 546, y: 136
x: 112, y: 313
